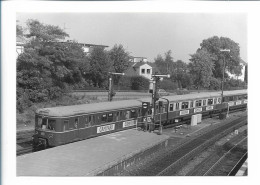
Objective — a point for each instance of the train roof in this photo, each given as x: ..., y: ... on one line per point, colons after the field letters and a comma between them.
x: 197, y: 95
x: 63, y: 111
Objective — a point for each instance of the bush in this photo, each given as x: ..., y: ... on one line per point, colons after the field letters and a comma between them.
x: 215, y: 84
x: 167, y: 85
x: 139, y: 83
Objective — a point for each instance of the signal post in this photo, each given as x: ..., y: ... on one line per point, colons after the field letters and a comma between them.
x: 155, y: 97
x: 111, y: 92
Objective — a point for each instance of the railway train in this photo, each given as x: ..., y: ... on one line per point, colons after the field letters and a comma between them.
x: 61, y: 125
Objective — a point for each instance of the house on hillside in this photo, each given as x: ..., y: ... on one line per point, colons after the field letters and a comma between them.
x: 89, y: 47
x: 142, y: 68
x: 242, y: 76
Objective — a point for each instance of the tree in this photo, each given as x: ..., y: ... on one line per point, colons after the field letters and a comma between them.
x: 19, y: 30
x: 100, y: 66
x: 232, y: 58
x: 120, y: 59
x: 165, y: 65
x: 44, y: 32
x: 201, y: 68
x: 47, y: 69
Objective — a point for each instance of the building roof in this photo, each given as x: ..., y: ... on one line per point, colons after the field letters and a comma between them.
x: 132, y: 70
x: 242, y: 62
x: 20, y: 40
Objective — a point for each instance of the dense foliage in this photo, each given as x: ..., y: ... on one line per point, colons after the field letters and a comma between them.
x: 49, y: 67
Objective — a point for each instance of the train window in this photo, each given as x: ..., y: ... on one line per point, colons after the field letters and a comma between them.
x: 39, y: 122
x: 66, y: 125
x: 88, y: 121
x: 245, y: 97
x: 184, y: 105
x: 204, y: 102
x: 110, y: 117
x: 191, y: 104
x: 177, y: 106
x: 171, y: 107
x: 44, y: 123
x: 157, y: 107
x: 210, y: 101
x: 240, y: 97
x: 215, y: 101
x: 139, y: 112
x: 149, y: 111
x: 164, y: 108
x: 104, y: 118
x: 231, y: 98
x: 76, y: 123
x: 219, y: 101
x: 127, y: 115
x: 133, y: 113
x: 198, y: 103
x: 51, y: 124
x: 117, y: 116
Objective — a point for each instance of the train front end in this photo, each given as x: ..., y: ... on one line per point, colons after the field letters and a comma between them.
x: 45, y: 127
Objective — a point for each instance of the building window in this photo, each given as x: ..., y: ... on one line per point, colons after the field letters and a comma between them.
x: 148, y: 71
x: 143, y: 71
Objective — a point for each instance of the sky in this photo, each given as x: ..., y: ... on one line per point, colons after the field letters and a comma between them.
x: 149, y: 34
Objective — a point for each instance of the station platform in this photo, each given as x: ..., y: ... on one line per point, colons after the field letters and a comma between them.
x: 96, y: 156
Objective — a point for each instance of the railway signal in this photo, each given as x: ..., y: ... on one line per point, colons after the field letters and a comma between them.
x: 111, y: 92
x: 155, y: 96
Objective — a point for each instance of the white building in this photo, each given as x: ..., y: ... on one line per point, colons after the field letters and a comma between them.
x: 142, y: 68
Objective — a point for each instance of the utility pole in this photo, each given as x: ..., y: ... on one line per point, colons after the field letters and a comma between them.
x: 111, y: 92
x: 223, y: 76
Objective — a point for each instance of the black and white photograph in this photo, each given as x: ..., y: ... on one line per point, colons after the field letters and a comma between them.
x: 143, y: 89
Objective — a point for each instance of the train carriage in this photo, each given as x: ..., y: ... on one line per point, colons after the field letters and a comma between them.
x: 60, y: 125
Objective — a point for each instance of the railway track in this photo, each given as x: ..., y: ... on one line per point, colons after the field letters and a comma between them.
x: 24, y: 142
x: 214, y: 158
x: 226, y: 163
x: 170, y: 162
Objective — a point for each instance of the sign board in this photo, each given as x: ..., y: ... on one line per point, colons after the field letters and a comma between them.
x: 197, y: 109
x: 148, y: 119
x: 209, y: 108
x: 105, y: 128
x: 129, y: 123
x: 238, y: 103
x: 184, y: 112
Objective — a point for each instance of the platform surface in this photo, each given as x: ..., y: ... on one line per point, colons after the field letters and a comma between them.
x: 87, y: 157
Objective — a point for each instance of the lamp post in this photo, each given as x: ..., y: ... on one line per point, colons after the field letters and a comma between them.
x: 110, y: 88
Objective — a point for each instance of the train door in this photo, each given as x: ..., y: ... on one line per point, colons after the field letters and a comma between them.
x: 76, y: 128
